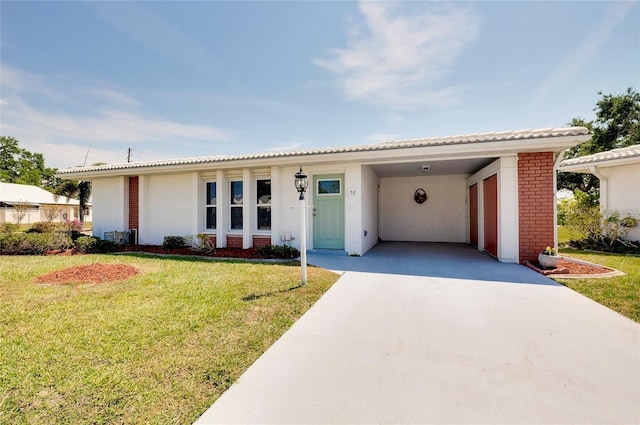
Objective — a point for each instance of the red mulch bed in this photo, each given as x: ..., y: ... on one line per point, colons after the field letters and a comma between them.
x: 219, y: 252
x: 569, y: 267
x: 102, y: 273
x: 92, y: 273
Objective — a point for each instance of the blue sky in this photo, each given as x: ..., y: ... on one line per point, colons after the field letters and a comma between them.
x: 180, y: 79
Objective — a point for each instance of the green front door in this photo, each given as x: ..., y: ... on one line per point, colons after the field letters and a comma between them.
x: 328, y: 212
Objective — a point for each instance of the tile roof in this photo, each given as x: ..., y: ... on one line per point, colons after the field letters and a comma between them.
x: 12, y: 192
x: 612, y: 155
x: 512, y: 135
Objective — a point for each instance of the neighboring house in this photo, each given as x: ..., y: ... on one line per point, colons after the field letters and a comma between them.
x: 492, y: 190
x: 619, y: 173
x: 37, y: 203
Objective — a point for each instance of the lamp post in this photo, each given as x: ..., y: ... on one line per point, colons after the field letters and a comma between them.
x: 302, y: 182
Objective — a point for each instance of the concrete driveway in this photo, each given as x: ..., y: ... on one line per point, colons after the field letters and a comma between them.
x: 462, y: 339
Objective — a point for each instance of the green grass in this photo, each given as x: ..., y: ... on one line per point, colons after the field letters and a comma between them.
x: 160, y: 347
x: 620, y: 293
x: 565, y: 235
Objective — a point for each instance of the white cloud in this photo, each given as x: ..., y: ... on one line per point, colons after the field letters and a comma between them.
x: 113, y: 118
x: 108, y: 126
x: 401, y: 57
x: 579, y: 56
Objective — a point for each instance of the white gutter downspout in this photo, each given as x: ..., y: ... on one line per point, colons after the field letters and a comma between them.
x: 556, y: 163
x: 603, y: 188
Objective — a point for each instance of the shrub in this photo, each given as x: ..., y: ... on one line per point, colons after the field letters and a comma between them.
x: 75, y: 225
x: 42, y: 227
x: 8, y: 228
x: 278, y: 251
x: 33, y: 243
x: 173, y: 242
x: 603, y: 230
x: 95, y: 245
x: 564, y: 210
x: 201, y: 243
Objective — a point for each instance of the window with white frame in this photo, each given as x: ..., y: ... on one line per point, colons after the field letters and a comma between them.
x: 263, y: 201
x: 211, y: 206
x: 235, y: 205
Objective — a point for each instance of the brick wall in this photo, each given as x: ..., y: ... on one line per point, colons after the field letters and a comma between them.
x: 133, y: 203
x: 234, y: 241
x: 259, y: 241
x: 535, y: 199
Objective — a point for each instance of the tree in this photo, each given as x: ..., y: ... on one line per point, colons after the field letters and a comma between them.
x: 51, y: 212
x: 20, y: 166
x: 75, y: 189
x: 617, y: 125
x: 20, y: 210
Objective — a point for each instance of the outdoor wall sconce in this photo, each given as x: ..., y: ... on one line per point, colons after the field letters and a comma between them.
x: 420, y: 196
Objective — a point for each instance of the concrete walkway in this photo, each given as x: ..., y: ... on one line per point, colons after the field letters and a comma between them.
x: 454, y: 344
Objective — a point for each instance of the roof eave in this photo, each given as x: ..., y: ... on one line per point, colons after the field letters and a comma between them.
x: 585, y: 167
x: 356, y: 154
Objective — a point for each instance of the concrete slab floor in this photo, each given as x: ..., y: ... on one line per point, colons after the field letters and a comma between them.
x: 392, y: 348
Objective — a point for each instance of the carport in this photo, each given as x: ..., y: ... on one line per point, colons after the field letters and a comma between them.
x: 464, y: 200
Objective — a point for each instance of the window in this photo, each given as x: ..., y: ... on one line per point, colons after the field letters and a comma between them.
x: 329, y: 187
x: 210, y: 220
x: 236, y: 203
x: 263, y: 193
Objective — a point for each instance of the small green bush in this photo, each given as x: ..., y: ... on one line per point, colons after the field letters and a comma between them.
x: 602, y: 230
x: 278, y: 251
x: 42, y: 227
x: 33, y: 243
x: 95, y: 245
x: 8, y: 228
x: 84, y: 244
x: 173, y: 242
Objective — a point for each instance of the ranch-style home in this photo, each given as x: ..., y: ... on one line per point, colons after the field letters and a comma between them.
x: 619, y: 173
x: 493, y: 190
x: 37, y: 204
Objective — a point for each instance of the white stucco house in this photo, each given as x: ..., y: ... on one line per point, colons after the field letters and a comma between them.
x: 38, y: 201
x: 619, y: 173
x: 493, y: 190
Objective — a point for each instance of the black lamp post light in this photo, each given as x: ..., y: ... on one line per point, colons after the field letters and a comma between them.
x: 302, y: 183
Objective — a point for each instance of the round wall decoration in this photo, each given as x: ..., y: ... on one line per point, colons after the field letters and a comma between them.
x: 420, y: 196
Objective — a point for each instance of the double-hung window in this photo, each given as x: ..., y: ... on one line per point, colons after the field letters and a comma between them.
x: 210, y: 220
x: 263, y: 201
x: 236, y: 203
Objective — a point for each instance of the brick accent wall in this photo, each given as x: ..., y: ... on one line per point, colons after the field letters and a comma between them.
x: 133, y: 203
x: 259, y: 241
x: 234, y: 242
x: 535, y: 203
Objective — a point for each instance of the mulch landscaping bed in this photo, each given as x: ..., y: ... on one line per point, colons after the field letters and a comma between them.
x: 102, y: 273
x: 570, y: 268
x: 92, y: 273
x: 249, y: 253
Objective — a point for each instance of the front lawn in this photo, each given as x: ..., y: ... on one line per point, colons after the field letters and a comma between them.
x: 565, y: 235
x: 160, y: 347
x: 620, y: 293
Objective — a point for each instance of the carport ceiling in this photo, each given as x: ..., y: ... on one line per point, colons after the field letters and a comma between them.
x: 436, y: 168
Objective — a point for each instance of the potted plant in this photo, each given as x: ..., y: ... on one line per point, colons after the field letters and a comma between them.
x: 548, y: 258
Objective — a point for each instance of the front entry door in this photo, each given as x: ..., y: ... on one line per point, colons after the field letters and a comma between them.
x: 328, y: 212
